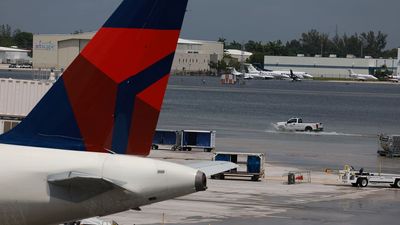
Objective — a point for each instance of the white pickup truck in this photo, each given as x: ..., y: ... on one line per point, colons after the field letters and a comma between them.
x: 296, y: 124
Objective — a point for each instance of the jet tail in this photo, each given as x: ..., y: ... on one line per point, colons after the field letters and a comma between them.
x: 110, y: 97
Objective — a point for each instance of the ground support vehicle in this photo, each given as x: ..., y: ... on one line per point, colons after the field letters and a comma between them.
x: 363, y: 179
x: 250, y: 165
x: 296, y: 124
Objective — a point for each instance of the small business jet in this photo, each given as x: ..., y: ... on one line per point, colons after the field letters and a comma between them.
x: 252, y: 71
x: 245, y: 76
x: 285, y: 74
x: 394, y: 78
x: 80, y: 152
x: 361, y: 77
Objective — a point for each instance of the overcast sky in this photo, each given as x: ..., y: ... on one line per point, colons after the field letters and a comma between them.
x: 241, y: 20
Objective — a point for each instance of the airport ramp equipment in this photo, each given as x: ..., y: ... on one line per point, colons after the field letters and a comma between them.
x: 201, y: 139
x: 184, y: 140
x: 390, y: 145
x: 250, y: 165
x: 166, y: 139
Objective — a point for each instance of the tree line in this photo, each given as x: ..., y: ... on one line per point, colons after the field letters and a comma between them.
x: 313, y: 43
x: 10, y: 37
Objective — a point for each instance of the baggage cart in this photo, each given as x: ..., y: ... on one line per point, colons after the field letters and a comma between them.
x: 250, y: 165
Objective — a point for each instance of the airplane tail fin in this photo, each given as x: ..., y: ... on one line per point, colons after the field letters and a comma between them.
x: 351, y: 72
x: 292, y: 74
x: 110, y: 97
x: 252, y: 69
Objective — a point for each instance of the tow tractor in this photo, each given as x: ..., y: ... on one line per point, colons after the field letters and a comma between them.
x: 360, y: 178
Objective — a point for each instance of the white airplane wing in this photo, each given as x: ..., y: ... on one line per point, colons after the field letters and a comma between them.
x: 78, y: 187
x: 213, y: 167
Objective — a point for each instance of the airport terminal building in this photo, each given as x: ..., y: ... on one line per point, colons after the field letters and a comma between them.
x: 58, y: 51
x: 329, y: 66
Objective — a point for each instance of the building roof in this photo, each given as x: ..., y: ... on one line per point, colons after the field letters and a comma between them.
x: 5, y: 49
x: 237, y: 52
x: 188, y: 42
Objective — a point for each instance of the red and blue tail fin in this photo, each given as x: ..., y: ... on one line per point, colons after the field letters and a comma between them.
x: 110, y: 97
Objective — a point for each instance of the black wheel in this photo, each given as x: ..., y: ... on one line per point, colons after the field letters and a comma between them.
x: 255, y: 177
x: 207, y: 149
x: 308, y: 129
x: 362, y: 182
x: 397, y: 183
x: 354, y: 184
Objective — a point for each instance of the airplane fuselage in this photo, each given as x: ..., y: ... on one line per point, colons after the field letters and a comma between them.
x: 363, y: 77
x: 27, y: 194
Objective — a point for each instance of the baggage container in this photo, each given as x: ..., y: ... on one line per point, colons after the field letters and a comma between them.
x: 390, y: 145
x: 250, y: 165
x: 165, y: 139
x: 189, y: 139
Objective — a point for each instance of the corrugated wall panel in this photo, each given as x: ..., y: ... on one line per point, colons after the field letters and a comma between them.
x: 18, y: 97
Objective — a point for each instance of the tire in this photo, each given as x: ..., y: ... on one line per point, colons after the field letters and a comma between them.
x: 208, y: 149
x: 354, y: 184
x: 308, y: 129
x: 397, y: 183
x: 362, y: 182
x: 255, y: 177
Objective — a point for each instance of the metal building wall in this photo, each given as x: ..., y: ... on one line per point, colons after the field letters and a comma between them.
x: 58, y: 51
x: 324, y: 66
x: 18, y: 97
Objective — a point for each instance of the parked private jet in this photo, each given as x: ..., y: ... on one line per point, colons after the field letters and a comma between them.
x: 73, y: 156
x: 287, y: 74
x: 361, y: 77
x: 245, y: 76
x: 252, y: 71
x: 394, y: 78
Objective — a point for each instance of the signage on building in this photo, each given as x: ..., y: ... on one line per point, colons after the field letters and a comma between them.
x: 47, y: 46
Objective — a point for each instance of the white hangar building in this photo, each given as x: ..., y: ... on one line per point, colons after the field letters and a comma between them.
x: 329, y: 66
x: 58, y: 51
x: 13, y: 55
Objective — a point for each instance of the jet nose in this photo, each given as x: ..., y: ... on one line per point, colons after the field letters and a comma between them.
x: 200, y: 181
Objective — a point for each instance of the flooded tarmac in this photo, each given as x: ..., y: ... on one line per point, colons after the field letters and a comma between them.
x: 353, y: 115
